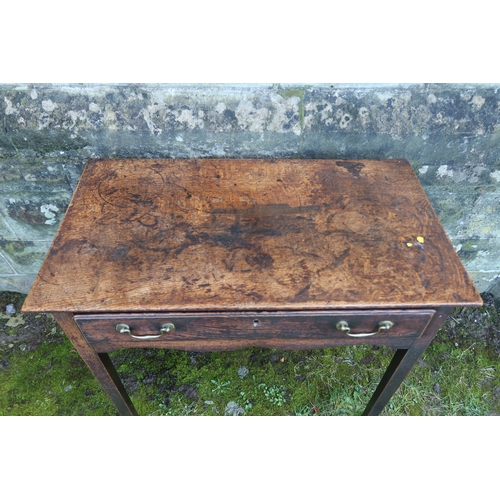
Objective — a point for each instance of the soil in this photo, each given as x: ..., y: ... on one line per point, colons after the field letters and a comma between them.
x: 30, y: 331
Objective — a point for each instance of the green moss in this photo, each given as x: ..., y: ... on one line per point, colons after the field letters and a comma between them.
x: 469, y: 246
x: 292, y: 93
x: 14, y: 247
x: 336, y: 381
x: 16, y: 250
x: 53, y: 380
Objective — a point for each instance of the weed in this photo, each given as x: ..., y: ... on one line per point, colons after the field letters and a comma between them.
x: 178, y: 407
x: 247, y: 405
x: 220, y: 387
x: 274, y: 394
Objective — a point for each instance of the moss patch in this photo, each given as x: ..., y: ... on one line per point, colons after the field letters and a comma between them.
x: 15, y: 247
x: 20, y: 252
x: 52, y: 380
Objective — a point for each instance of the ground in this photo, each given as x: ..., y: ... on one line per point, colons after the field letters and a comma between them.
x: 459, y: 374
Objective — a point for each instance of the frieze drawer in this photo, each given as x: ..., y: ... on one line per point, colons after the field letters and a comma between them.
x: 255, y: 328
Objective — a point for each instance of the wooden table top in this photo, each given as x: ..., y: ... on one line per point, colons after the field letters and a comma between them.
x: 227, y: 235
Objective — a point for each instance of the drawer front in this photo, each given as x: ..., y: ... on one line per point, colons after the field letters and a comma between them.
x: 314, y: 328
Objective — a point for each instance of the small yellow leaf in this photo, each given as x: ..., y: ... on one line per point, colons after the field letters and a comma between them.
x: 409, y: 244
x: 16, y: 321
x: 420, y: 239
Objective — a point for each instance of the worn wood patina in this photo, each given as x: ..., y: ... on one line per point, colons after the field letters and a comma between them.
x: 235, y: 253
x: 188, y: 235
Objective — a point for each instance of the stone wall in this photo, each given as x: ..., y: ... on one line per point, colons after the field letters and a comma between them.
x: 450, y: 134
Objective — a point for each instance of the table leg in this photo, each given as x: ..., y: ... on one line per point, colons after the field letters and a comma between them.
x: 100, y: 365
x: 402, y: 362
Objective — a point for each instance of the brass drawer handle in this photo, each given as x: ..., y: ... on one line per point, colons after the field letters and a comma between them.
x: 382, y: 326
x: 122, y: 328
x: 165, y: 328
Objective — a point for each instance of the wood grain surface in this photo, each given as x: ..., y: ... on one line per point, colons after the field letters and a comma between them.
x: 219, y: 235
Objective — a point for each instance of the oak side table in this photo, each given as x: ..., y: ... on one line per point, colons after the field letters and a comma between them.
x: 220, y: 254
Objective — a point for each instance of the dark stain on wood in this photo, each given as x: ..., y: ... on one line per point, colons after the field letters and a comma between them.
x: 262, y: 260
x: 119, y: 252
x: 353, y: 167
